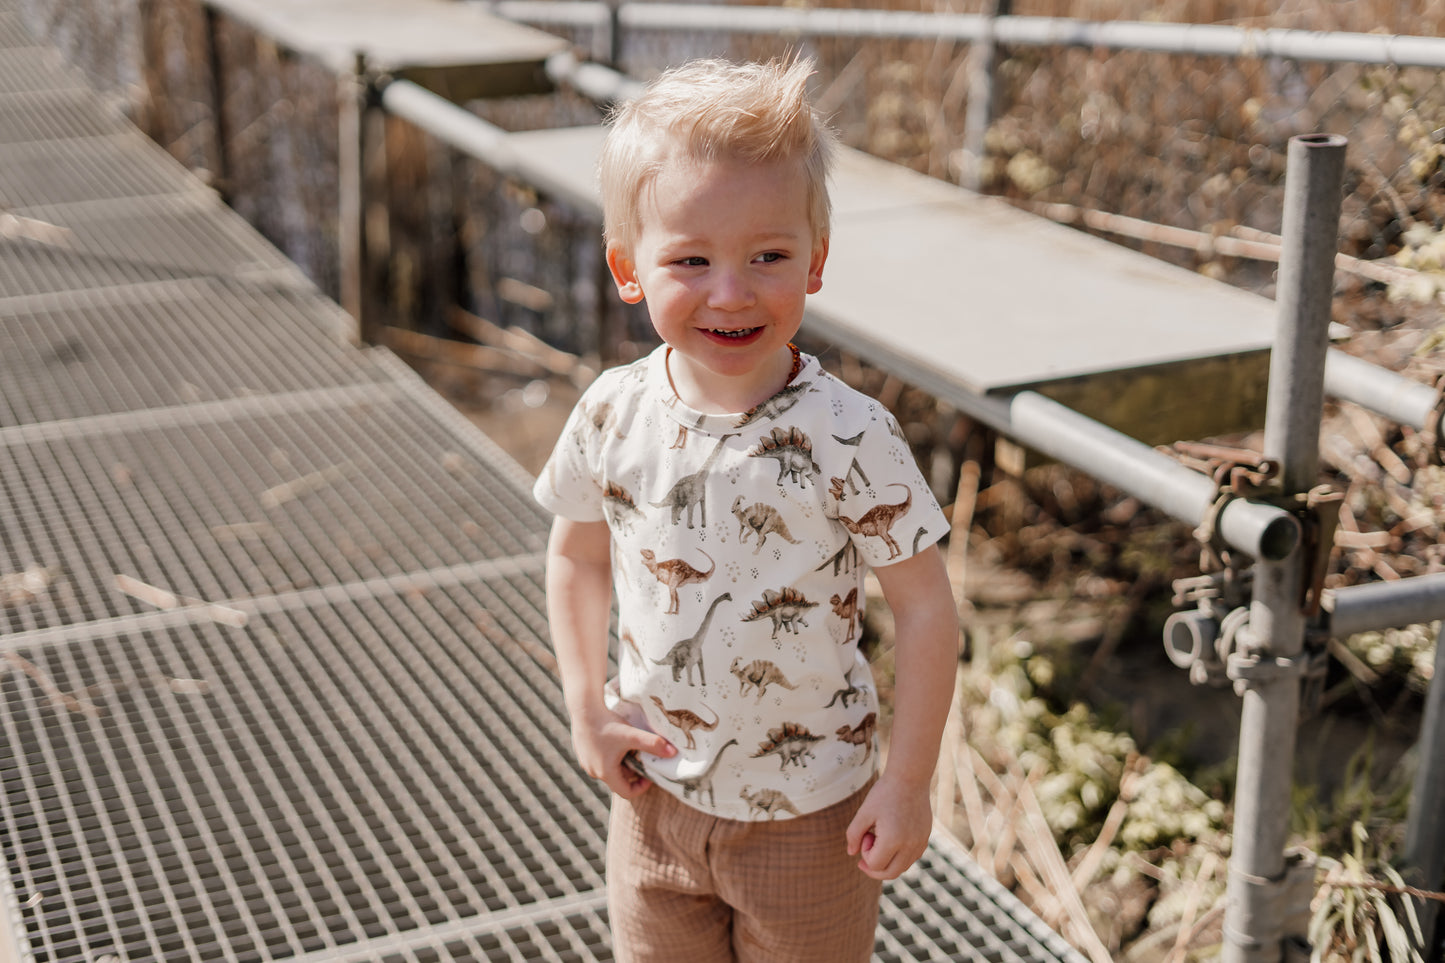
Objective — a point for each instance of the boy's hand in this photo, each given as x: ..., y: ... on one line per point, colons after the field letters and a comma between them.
x: 896, y: 812
x: 891, y: 828
x: 602, y: 740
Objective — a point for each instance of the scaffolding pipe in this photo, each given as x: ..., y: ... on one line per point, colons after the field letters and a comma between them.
x: 1424, y: 852
x: 1268, y: 672
x: 452, y: 124
x: 1256, y: 528
x: 1382, y: 391
x: 476, y: 138
x: 1208, y: 40
x: 599, y: 84
x: 1382, y: 605
x: 353, y: 97
x: 983, y: 100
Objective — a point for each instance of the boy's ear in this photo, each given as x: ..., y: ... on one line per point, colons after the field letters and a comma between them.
x: 624, y: 275
x: 815, y: 266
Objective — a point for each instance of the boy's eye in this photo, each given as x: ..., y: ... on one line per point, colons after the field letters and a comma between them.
x: 772, y: 257
x: 692, y: 261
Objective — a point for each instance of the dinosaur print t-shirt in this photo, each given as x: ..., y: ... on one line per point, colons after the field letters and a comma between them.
x: 739, y: 544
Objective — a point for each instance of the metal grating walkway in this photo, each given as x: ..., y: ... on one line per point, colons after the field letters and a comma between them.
x: 273, y: 669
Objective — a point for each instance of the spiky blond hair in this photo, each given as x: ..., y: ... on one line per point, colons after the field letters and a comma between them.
x: 714, y: 110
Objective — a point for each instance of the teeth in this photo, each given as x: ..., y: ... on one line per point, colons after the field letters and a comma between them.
x: 740, y: 333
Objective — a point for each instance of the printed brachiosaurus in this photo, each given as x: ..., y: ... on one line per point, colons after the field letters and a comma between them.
x: 688, y: 652
x: 702, y: 782
x: 675, y: 573
x: 690, y: 491
x: 850, y: 691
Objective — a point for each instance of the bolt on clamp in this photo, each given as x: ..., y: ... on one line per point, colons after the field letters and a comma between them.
x: 1235, y: 473
x: 1249, y: 670
x: 1215, y: 651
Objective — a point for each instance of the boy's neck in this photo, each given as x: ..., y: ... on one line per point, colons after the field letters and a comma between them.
x: 715, y: 394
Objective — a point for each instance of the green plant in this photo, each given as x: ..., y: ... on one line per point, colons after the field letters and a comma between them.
x: 1359, y: 914
x: 1356, y: 915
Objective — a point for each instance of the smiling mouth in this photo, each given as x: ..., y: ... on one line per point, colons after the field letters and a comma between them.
x: 737, y: 333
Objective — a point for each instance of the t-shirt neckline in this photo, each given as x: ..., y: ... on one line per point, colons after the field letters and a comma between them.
x: 719, y: 423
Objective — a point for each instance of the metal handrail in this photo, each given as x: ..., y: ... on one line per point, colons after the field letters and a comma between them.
x: 1209, y: 40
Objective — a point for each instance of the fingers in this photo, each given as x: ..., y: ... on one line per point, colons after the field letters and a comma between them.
x: 873, y: 860
x: 887, y: 861
x: 654, y: 745
x: 607, y: 750
x: 629, y: 784
x: 627, y: 777
x: 859, y: 829
x: 884, y: 852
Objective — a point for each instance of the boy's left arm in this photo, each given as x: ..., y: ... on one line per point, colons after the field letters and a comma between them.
x: 892, y: 827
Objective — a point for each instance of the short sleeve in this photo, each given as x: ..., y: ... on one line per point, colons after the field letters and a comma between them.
x: 569, y: 485
x: 882, y: 498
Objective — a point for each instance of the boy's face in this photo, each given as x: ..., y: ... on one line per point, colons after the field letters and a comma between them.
x: 724, y: 257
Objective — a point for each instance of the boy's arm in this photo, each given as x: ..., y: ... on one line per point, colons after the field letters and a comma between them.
x: 579, y: 602
x: 896, y: 813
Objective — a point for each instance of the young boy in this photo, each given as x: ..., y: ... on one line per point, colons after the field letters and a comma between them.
x: 732, y: 492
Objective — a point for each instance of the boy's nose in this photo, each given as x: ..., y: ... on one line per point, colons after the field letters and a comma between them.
x: 729, y: 291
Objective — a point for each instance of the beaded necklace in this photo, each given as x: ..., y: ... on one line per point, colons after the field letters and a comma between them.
x: 797, y: 363
x: 792, y: 372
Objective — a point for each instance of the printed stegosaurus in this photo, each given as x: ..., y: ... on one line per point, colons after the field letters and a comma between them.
x: 790, y: 742
x: 794, y: 452
x: 785, y: 608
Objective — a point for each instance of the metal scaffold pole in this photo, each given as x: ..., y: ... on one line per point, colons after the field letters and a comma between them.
x: 1425, y: 830
x: 1263, y: 917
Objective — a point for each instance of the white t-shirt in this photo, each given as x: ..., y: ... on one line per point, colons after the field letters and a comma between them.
x: 739, y: 544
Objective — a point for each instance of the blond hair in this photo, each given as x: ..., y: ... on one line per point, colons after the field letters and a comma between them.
x: 714, y: 110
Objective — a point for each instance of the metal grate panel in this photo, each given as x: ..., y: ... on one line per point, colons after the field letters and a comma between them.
x: 55, y: 115
x: 138, y: 242
x: 249, y: 498
x: 135, y: 348
x: 12, y: 30
x: 341, y: 780
x: 101, y: 168
x: 29, y: 68
x: 323, y: 776
x: 946, y: 907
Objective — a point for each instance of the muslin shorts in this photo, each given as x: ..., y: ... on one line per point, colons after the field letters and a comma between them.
x: 686, y: 887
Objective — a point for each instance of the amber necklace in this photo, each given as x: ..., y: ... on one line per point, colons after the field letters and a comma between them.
x: 797, y: 363
x: 792, y: 372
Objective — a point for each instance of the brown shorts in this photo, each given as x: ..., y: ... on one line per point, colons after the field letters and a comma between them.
x: 686, y: 886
